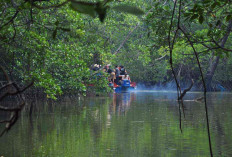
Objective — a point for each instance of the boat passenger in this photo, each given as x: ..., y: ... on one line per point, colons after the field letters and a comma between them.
x: 122, y: 70
x: 111, y: 72
x: 117, y: 73
x: 108, y: 70
x: 126, y: 77
x: 96, y: 67
x: 105, y: 69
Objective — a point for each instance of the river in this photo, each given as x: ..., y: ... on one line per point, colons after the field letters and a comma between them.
x: 138, y: 124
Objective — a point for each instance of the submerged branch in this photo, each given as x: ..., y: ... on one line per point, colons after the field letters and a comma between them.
x: 179, y: 93
x: 171, y: 46
x: 186, y: 90
x: 204, y: 85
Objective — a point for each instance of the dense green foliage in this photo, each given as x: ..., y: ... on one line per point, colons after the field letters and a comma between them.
x: 56, y: 42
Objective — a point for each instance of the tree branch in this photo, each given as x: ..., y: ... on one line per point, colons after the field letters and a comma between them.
x: 15, y: 110
x: 204, y: 85
x: 186, y: 90
x: 129, y: 34
x: 18, y: 90
x: 11, y: 20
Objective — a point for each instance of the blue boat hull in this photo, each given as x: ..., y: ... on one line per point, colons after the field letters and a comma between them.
x: 123, y: 89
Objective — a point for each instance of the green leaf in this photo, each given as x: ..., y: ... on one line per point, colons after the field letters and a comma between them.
x: 195, y: 7
x: 128, y: 9
x: 209, y: 32
x: 194, y: 17
x: 227, y: 53
x: 57, y: 23
x: 107, y: 1
x: 206, y: 1
x: 228, y: 18
x: 166, y: 7
x: 54, y: 33
x: 218, y: 23
x: 65, y: 29
x: 187, y: 14
x: 214, y: 5
x: 201, y: 19
x: 200, y: 11
x: 84, y: 7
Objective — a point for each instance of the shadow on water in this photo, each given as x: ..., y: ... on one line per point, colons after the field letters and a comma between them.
x: 141, y: 123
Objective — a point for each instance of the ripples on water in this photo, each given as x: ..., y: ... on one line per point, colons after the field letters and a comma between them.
x: 127, y: 124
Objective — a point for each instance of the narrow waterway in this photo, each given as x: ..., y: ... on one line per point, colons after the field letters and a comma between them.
x: 139, y: 124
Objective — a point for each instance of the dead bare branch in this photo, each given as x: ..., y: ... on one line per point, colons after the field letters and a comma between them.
x: 186, y: 90
x: 17, y: 91
x: 14, y: 110
x: 179, y: 93
x: 204, y: 85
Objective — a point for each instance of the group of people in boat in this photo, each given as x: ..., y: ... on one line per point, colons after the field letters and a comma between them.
x: 116, y: 75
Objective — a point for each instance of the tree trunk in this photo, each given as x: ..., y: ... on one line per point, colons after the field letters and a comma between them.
x: 210, y: 72
x: 215, y: 60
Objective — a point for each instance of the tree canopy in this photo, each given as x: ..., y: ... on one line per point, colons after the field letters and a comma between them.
x: 55, y: 42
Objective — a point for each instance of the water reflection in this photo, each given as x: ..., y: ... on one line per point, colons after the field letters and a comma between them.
x: 122, y: 102
x: 126, y: 124
x: 120, y: 105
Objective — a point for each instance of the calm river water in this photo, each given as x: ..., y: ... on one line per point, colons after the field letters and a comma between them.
x: 140, y: 124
